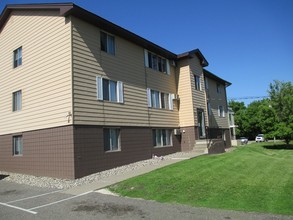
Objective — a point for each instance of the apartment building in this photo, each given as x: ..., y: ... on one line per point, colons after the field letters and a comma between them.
x: 79, y: 94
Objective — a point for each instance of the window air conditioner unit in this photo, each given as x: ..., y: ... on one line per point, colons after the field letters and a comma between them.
x: 176, y: 97
x: 177, y: 132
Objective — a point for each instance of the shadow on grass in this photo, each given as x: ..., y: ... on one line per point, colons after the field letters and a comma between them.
x: 279, y: 147
x: 3, y: 176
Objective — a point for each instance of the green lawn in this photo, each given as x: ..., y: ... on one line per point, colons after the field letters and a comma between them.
x: 251, y: 178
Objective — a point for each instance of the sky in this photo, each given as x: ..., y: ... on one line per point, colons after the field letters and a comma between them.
x: 246, y: 42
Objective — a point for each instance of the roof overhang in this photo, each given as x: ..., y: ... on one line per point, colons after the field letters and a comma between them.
x: 67, y: 9
x: 193, y: 53
x: 216, y: 78
x: 63, y: 8
x: 70, y: 9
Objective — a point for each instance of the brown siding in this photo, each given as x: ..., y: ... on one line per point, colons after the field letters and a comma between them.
x: 47, y: 152
x: 136, y: 145
x: 216, y: 100
x: 189, y: 135
x: 198, y: 96
x: 127, y: 66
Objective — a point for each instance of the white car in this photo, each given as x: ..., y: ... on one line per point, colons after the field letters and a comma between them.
x: 243, y: 140
x: 260, y: 138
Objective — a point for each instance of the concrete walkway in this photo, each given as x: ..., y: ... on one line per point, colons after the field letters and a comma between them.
x: 107, y: 181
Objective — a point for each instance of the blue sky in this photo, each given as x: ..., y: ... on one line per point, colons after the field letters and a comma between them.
x: 246, y: 42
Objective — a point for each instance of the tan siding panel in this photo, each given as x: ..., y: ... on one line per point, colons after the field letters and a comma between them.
x: 44, y: 76
x: 186, y: 113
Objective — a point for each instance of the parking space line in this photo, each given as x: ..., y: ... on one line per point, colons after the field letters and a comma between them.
x: 19, y: 208
x: 18, y: 200
x: 62, y: 200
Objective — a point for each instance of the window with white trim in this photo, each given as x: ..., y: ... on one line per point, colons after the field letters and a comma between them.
x: 107, y: 43
x: 157, y: 99
x: 162, y: 137
x: 111, y: 139
x: 16, y: 101
x: 156, y: 62
x: 197, y: 82
x: 109, y: 90
x: 17, y: 57
x: 17, y: 145
x: 221, y: 112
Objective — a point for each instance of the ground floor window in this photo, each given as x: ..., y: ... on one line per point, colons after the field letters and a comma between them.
x: 17, y: 145
x: 162, y: 137
x: 111, y: 139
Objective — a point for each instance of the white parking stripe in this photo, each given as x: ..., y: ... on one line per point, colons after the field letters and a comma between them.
x: 52, y: 203
x: 33, y: 197
x: 19, y: 208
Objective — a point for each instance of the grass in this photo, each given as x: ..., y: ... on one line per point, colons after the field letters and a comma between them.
x: 257, y: 177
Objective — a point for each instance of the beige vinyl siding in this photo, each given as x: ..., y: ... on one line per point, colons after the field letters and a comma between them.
x: 186, y: 111
x: 44, y: 76
x: 217, y: 100
x: 127, y: 65
x: 198, y: 96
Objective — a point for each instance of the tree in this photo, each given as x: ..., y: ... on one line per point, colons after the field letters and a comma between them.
x: 258, y: 117
x: 281, y: 94
x: 239, y: 116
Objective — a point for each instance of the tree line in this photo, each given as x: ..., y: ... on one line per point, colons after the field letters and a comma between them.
x: 272, y: 116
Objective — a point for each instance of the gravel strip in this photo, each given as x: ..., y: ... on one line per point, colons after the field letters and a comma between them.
x: 49, y: 182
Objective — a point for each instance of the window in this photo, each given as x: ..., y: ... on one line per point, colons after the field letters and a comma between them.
x: 218, y: 88
x: 17, y: 145
x: 158, y: 99
x: 17, y: 57
x: 221, y: 112
x: 156, y: 62
x: 206, y: 83
x: 209, y: 108
x: 109, y: 90
x: 165, y: 100
x: 111, y: 139
x: 197, y: 82
x: 107, y: 43
x: 162, y: 137
x: 16, y: 101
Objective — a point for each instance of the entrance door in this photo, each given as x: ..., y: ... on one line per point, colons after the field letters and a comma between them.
x: 201, y: 123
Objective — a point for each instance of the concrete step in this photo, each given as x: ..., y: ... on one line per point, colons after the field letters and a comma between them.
x: 201, y: 146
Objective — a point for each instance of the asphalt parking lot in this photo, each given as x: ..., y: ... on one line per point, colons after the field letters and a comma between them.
x: 19, y: 201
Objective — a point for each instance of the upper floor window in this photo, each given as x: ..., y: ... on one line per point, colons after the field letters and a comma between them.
x: 219, y: 88
x: 162, y: 137
x: 111, y: 139
x: 209, y: 108
x: 206, y: 83
x: 17, y: 57
x: 109, y: 90
x: 156, y: 62
x: 16, y: 100
x: 158, y: 99
x: 107, y: 43
x: 17, y: 145
x: 221, y: 112
x: 197, y: 82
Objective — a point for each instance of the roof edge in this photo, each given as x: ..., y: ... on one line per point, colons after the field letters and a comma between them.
x: 215, y: 77
x: 192, y: 53
x: 62, y: 7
